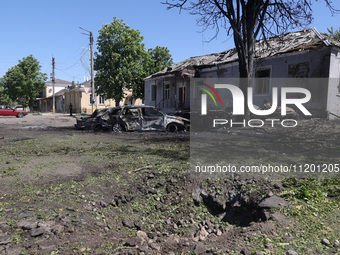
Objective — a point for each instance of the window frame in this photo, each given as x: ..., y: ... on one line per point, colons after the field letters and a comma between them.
x: 167, y: 91
x: 101, y: 100
x: 256, y: 90
x: 153, y: 92
x: 90, y: 97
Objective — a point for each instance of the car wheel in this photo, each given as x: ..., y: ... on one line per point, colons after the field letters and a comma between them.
x: 20, y: 115
x: 172, y: 127
x: 97, y: 128
x: 117, y: 128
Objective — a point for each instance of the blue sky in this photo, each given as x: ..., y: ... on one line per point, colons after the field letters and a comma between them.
x: 45, y: 28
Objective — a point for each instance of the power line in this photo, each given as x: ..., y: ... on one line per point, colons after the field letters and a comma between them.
x: 79, y: 59
x: 72, y: 56
x: 83, y: 63
x: 71, y: 60
x: 76, y: 58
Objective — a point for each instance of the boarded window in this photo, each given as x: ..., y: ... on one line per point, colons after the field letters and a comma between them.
x: 181, y: 95
x: 262, y: 81
x: 300, y: 70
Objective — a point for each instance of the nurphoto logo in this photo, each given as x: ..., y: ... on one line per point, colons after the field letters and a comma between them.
x: 238, y: 104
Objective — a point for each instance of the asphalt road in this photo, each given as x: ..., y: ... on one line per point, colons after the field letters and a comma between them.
x: 41, y: 121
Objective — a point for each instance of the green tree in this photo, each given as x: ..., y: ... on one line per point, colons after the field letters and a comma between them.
x: 4, y: 98
x: 160, y: 58
x: 123, y: 62
x: 333, y: 34
x: 24, y: 79
x: 120, y: 61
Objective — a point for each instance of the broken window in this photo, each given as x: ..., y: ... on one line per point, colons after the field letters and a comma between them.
x: 130, y: 112
x: 300, y: 70
x: 153, y: 92
x: 262, y: 81
x: 181, y: 95
x: 151, y: 112
x: 115, y: 111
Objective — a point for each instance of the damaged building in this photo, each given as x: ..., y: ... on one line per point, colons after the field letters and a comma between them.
x: 302, y: 54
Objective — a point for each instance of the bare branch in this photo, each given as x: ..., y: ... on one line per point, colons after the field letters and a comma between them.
x: 249, y: 20
x: 180, y: 4
x: 331, y: 7
x: 263, y: 11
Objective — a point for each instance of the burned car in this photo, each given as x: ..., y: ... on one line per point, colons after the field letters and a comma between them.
x: 147, y: 118
x: 133, y: 118
x: 98, y: 120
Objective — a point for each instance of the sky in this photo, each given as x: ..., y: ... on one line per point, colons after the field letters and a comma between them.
x: 49, y: 29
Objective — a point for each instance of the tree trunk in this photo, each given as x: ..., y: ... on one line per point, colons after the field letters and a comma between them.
x: 117, y: 100
x: 245, y: 45
x: 245, y: 56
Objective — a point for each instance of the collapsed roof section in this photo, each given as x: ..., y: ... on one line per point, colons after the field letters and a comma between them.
x: 308, y: 39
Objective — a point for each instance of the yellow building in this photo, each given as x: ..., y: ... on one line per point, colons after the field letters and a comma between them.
x: 58, y: 86
x: 45, y: 103
x: 80, y: 97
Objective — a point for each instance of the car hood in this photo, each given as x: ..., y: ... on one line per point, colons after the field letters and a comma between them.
x: 171, y: 118
x: 85, y: 119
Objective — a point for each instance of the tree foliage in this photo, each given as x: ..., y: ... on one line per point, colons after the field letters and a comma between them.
x: 119, y: 61
x: 24, y: 79
x: 333, y: 34
x: 4, y: 98
x: 123, y: 62
x: 160, y: 58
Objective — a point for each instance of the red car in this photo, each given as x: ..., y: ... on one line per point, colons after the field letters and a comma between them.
x: 8, y: 111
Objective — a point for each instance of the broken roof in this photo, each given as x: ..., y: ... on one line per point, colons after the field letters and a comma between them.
x: 291, y: 42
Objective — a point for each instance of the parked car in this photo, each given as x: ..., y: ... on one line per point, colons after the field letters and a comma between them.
x: 98, y: 119
x: 9, y: 111
x: 133, y: 118
x: 19, y: 107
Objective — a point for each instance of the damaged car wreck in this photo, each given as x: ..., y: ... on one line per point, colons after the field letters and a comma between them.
x: 132, y: 118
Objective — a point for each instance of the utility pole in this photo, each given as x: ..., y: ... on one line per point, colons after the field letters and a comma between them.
x: 53, y: 82
x: 94, y: 97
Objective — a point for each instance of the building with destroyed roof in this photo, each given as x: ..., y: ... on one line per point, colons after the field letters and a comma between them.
x: 301, y: 54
